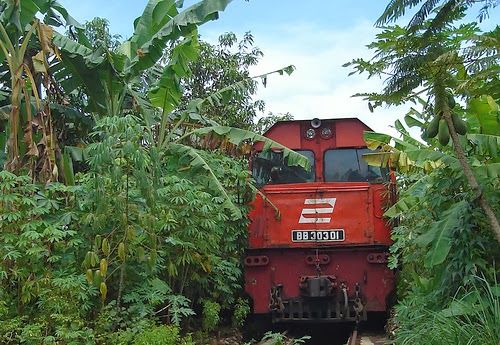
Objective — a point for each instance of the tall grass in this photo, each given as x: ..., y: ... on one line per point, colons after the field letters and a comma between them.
x: 471, y: 319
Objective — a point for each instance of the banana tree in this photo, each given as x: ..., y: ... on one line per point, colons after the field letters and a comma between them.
x: 109, y: 77
x: 113, y: 80
x: 27, y: 134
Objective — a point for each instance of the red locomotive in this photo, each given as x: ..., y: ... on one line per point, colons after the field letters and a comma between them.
x: 324, y: 256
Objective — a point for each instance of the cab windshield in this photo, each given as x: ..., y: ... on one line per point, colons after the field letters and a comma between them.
x: 348, y: 165
x: 270, y: 168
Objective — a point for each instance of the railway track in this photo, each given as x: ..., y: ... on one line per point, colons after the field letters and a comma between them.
x: 359, y: 338
x: 367, y: 333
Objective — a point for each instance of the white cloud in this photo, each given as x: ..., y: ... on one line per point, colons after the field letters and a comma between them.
x: 320, y: 86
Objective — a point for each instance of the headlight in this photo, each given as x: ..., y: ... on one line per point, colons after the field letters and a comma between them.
x: 326, y: 133
x: 310, y: 133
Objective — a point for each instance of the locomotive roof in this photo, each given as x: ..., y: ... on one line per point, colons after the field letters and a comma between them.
x: 338, y: 119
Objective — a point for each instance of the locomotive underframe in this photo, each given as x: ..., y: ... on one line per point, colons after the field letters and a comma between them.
x: 318, y: 310
x: 322, y: 299
x: 345, y: 285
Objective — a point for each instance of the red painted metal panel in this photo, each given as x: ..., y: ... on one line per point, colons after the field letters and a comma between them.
x: 357, y: 209
x: 288, y: 135
x: 350, y: 133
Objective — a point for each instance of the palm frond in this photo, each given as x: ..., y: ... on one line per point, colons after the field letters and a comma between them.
x: 445, y: 15
x: 422, y: 14
x: 395, y: 9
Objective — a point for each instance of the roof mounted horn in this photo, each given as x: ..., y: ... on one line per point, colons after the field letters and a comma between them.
x: 315, y: 123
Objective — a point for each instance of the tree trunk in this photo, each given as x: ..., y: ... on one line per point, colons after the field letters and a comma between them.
x: 120, y: 286
x: 469, y: 175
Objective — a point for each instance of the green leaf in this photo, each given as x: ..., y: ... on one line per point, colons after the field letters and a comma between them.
x: 3, y: 155
x: 420, y: 156
x: 156, y: 14
x: 155, y: 37
x: 485, y: 145
x: 375, y: 140
x: 166, y: 93
x: 411, y: 198
x: 488, y: 171
x: 238, y: 136
x: 411, y: 121
x: 77, y: 153
x: 408, y: 141
x: 75, y: 48
x: 67, y: 17
x: 487, y: 112
x: 67, y: 164
x: 439, y: 235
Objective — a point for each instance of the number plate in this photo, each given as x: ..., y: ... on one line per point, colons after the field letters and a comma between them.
x: 318, y: 235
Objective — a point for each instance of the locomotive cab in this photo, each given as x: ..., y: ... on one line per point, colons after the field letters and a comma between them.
x: 317, y: 240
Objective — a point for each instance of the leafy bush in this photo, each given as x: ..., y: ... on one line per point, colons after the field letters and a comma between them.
x: 469, y: 320
x: 240, y: 313
x: 179, y: 244
x: 40, y: 280
x: 211, y: 315
x: 162, y: 335
x: 271, y: 338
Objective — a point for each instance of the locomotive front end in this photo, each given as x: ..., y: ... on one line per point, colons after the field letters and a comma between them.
x: 317, y: 241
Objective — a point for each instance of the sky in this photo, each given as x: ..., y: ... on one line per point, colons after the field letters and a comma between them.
x: 316, y: 36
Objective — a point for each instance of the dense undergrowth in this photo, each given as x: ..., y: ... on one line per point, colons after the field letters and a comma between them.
x: 135, y: 241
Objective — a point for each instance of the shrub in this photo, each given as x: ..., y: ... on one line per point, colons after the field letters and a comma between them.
x: 211, y: 316
x: 472, y: 319
x: 162, y: 335
x: 241, y: 311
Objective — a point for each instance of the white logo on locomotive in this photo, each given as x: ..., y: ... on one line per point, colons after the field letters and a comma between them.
x: 317, y: 211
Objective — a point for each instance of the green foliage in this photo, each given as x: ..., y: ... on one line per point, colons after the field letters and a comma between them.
x: 444, y: 12
x: 145, y: 198
x: 154, y: 220
x: 40, y: 284
x: 113, y: 325
x: 116, y: 72
x: 442, y: 240
x: 439, y: 224
x: 179, y: 241
x: 220, y: 66
x: 447, y: 229
x: 471, y: 319
x: 97, y: 32
x: 162, y: 335
x: 266, y: 122
x: 272, y: 338
x: 446, y: 210
x: 241, y: 311
x: 211, y: 317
